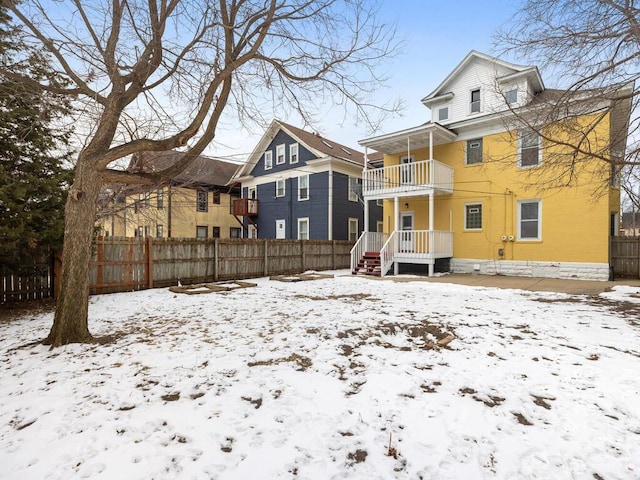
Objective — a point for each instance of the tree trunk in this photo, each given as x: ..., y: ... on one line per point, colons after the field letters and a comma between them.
x: 70, y: 324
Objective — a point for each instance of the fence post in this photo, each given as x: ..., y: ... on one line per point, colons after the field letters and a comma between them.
x: 149, y: 255
x: 333, y: 254
x: 99, y: 259
x: 266, y: 258
x: 216, y: 251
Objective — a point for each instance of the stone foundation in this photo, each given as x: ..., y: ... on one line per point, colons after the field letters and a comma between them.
x: 568, y: 270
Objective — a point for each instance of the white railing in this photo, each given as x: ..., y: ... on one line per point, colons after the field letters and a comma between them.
x: 368, y: 242
x: 416, y: 244
x: 407, y: 177
x: 387, y: 254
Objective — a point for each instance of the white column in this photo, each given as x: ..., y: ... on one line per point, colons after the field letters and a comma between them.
x: 430, y: 145
x: 431, y: 234
x: 396, y: 216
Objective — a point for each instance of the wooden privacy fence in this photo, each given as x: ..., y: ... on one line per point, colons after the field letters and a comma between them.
x: 125, y: 264
x: 625, y: 256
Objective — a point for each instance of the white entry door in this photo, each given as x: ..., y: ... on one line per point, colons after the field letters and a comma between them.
x: 406, y: 232
x: 280, y: 230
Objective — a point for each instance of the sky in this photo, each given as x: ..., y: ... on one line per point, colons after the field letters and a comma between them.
x: 437, y: 34
x: 336, y: 378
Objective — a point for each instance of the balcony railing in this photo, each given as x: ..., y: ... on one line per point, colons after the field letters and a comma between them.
x: 411, y: 177
x: 244, y: 206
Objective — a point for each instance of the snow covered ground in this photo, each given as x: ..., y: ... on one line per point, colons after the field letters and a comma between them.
x: 329, y: 379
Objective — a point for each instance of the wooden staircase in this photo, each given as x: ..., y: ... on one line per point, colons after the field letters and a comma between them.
x: 369, y: 264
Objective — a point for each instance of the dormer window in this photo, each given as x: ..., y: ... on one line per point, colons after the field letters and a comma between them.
x: 511, y: 96
x: 475, y: 101
x: 443, y: 114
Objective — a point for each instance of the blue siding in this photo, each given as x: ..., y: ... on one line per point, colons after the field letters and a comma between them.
x: 282, y: 138
x: 316, y: 208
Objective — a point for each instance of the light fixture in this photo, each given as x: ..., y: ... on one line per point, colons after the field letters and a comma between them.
x: 406, y: 205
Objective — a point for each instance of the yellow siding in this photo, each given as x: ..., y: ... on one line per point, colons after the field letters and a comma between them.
x: 575, y: 222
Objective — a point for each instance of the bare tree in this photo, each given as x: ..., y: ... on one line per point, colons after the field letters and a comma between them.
x: 590, y: 48
x: 155, y: 75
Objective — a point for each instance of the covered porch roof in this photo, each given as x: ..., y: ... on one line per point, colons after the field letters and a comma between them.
x: 411, y: 138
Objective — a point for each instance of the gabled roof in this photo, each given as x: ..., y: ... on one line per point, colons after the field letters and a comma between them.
x: 321, y: 147
x: 203, y: 171
x: 441, y: 92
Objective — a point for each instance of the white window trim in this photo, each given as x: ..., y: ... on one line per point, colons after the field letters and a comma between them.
x: 479, y: 101
x: 466, y: 228
x: 353, y: 197
x: 438, y: 119
x: 254, y: 190
x: 281, y: 148
x: 297, y: 149
x: 380, y: 226
x: 268, y: 165
x: 304, y: 220
x: 300, y: 197
x: 509, y: 90
x: 252, y: 231
x: 284, y: 188
x: 351, y: 222
x: 519, y: 233
x: 466, y: 152
x: 520, y: 135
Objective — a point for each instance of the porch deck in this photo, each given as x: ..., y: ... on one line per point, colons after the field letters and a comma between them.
x: 408, y: 179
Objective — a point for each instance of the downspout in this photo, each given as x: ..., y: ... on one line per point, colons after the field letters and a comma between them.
x: 169, y: 212
x: 330, y: 204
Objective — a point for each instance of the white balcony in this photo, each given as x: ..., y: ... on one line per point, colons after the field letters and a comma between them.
x: 407, y: 179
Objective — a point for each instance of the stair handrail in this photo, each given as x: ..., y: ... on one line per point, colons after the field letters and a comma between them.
x: 357, y: 250
x: 387, y: 253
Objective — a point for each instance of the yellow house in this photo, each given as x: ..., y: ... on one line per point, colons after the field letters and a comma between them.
x: 194, y: 204
x: 485, y: 186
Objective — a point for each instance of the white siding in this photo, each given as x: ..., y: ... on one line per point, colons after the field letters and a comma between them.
x: 477, y: 74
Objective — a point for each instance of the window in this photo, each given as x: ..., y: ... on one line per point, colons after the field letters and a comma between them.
x: 511, y: 96
x: 303, y: 229
x: 160, y: 198
x: 279, y: 154
x: 474, y: 151
x: 293, y: 153
x: 235, y: 232
x: 216, y: 197
x: 252, y: 193
x: 529, y: 220
x: 147, y: 231
x: 473, y: 216
x: 443, y: 114
x: 159, y: 231
x: 380, y: 226
x: 140, y: 232
x: 201, y: 205
x: 475, y: 101
x: 303, y: 187
x: 201, y: 232
x: 268, y: 160
x: 252, y: 231
x: 529, y: 149
x: 354, y: 189
x: 353, y: 229
x: 145, y: 199
x: 215, y: 232
x: 280, y: 190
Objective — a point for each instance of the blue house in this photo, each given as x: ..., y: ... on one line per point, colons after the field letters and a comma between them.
x: 299, y: 185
